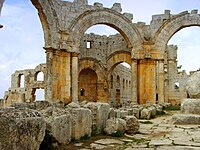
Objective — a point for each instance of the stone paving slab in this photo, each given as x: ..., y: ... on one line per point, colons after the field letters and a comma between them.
x: 177, y: 148
x: 108, y: 141
x: 160, y: 142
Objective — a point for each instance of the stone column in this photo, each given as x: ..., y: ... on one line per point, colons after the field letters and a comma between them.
x: 74, y: 77
x: 48, y: 78
x: 160, y: 81
x: 134, y: 81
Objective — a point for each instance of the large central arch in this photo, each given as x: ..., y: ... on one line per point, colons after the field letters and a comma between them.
x: 111, y: 18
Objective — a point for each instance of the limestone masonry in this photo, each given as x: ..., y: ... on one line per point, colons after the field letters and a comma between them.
x: 84, y: 67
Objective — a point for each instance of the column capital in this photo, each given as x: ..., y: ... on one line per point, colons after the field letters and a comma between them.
x: 74, y: 54
x: 48, y: 49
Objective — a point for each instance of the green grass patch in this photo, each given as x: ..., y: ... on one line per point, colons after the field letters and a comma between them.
x: 173, y: 108
x: 160, y: 113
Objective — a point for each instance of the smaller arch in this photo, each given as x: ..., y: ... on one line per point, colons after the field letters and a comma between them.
x: 118, y: 58
x: 39, y: 76
x: 92, y: 64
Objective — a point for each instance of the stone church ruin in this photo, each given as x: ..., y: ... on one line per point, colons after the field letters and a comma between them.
x: 87, y: 89
x: 80, y: 67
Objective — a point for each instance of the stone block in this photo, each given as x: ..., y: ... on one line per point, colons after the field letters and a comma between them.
x: 136, y: 112
x: 21, y: 129
x: 115, y: 125
x: 100, y: 114
x: 123, y: 114
x: 145, y: 114
x: 81, y: 123
x: 117, y: 7
x: 59, y: 124
x: 190, y: 106
x: 98, y: 5
x: 112, y: 113
x: 184, y: 119
x: 129, y: 16
x: 117, y: 113
x: 132, y: 124
x: 193, y: 85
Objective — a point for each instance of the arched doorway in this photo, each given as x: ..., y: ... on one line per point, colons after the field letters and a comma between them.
x: 87, y: 85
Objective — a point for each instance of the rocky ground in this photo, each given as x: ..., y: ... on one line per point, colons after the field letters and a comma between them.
x: 155, y: 134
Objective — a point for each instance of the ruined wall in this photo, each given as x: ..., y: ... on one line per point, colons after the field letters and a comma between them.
x: 142, y: 46
x: 175, y: 80
x: 24, y: 84
x: 101, y: 47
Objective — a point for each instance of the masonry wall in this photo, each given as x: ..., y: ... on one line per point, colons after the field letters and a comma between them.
x: 118, y: 91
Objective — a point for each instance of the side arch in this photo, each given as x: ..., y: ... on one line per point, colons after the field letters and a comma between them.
x: 118, y: 58
x: 92, y: 64
x: 111, y: 18
x: 170, y: 27
x: 101, y: 85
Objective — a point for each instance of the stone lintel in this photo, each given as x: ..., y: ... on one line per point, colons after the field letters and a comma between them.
x: 58, y: 51
x: 154, y: 54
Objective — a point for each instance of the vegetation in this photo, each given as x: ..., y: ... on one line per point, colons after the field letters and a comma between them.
x: 174, y: 108
x: 160, y: 113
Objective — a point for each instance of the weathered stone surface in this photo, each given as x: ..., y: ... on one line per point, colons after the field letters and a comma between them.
x: 73, y: 105
x: 21, y: 129
x: 100, y: 114
x: 132, y: 124
x: 115, y: 125
x: 185, y: 119
x: 123, y: 114
x: 193, y: 85
x: 112, y: 113
x: 81, y: 123
x: 190, y: 106
x: 136, y: 112
x: 59, y: 124
x: 152, y: 110
x: 145, y: 114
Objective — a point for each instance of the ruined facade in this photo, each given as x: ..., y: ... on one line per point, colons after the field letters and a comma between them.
x: 72, y: 56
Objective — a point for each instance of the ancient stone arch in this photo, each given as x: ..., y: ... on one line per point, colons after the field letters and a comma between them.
x: 173, y: 25
x: 118, y: 58
x: 111, y: 18
x: 94, y: 65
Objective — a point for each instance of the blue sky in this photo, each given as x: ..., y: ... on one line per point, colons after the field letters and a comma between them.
x: 21, y: 39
